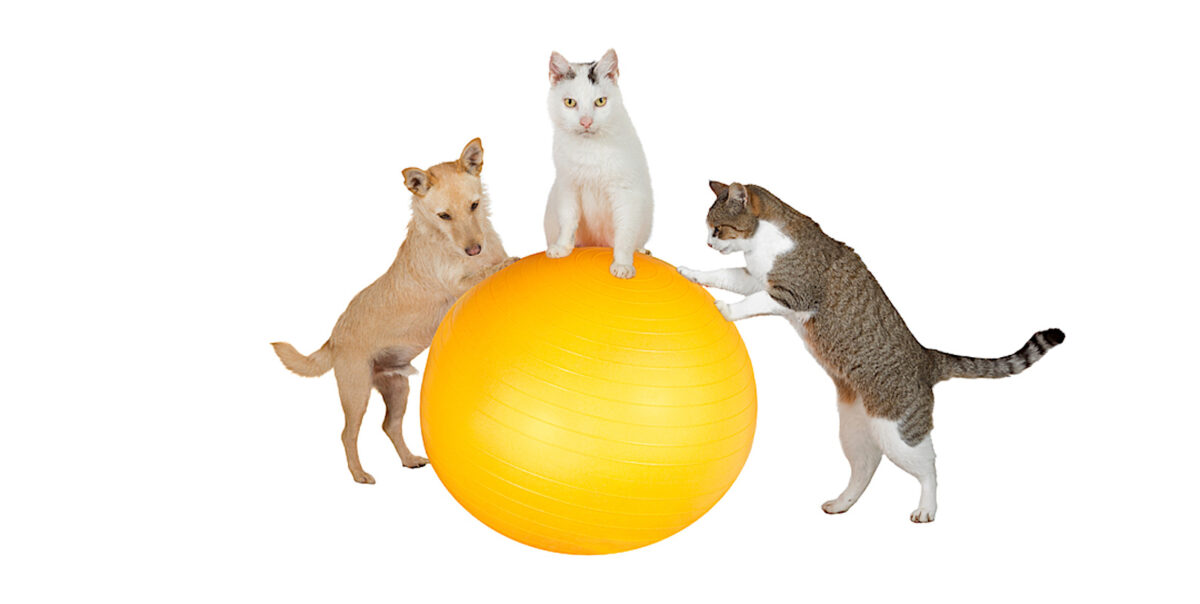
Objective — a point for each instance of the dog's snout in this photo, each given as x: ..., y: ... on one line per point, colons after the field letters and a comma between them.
x: 474, y: 250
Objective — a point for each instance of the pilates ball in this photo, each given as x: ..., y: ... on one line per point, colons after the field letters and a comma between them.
x: 580, y: 413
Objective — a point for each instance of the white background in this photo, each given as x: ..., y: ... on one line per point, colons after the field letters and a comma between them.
x: 184, y: 183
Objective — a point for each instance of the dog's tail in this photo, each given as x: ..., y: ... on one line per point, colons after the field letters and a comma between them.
x: 312, y: 365
x: 955, y: 366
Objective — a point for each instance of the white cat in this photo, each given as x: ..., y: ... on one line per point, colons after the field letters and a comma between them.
x: 601, y: 194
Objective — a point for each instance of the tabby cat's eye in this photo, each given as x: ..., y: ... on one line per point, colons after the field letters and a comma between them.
x: 600, y: 102
x: 569, y: 102
x: 444, y: 216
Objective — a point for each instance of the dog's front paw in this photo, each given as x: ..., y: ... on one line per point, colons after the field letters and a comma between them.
x: 363, y: 478
x: 725, y: 310
x: 922, y: 515
x: 558, y: 251
x: 622, y: 271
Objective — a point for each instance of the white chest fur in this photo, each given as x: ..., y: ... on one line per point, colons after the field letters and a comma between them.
x: 763, y: 248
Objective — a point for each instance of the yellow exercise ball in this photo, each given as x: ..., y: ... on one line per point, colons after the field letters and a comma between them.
x: 580, y: 413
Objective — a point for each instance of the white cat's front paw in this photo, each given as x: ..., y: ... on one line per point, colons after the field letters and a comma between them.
x: 558, y: 251
x: 622, y: 271
x: 922, y: 515
x: 725, y: 310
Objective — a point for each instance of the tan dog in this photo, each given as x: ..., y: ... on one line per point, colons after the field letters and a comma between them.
x: 450, y: 247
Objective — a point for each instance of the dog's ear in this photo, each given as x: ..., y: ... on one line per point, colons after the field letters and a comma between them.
x: 418, y: 181
x: 471, y: 160
x: 719, y: 188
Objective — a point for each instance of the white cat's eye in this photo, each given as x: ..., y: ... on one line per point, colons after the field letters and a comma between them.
x: 444, y: 216
x: 569, y: 102
x: 600, y: 102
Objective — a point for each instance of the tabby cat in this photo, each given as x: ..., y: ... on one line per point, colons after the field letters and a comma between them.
x: 884, y: 376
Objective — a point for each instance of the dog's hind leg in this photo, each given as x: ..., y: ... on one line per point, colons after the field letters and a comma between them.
x: 354, y: 387
x: 392, y: 383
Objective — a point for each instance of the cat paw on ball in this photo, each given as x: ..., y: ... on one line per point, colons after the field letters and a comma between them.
x: 622, y: 271
x: 558, y: 251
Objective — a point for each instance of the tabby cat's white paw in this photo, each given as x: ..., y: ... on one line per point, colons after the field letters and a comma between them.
x: 922, y: 515
x: 836, y: 506
x: 688, y: 273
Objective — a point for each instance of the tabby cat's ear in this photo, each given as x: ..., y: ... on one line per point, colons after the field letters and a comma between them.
x: 607, y: 65
x: 718, y: 187
x: 559, y: 68
x: 737, y: 193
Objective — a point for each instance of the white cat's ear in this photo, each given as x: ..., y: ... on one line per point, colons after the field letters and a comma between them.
x: 559, y: 68
x: 607, y: 65
x: 417, y: 181
x: 471, y: 160
x: 719, y: 188
x: 737, y: 193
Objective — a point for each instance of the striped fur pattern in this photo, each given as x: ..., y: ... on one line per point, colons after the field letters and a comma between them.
x: 793, y: 269
x: 955, y: 366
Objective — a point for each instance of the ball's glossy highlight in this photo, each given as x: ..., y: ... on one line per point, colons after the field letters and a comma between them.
x: 580, y: 413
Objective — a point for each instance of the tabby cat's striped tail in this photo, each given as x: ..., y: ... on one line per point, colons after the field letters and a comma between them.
x: 955, y: 366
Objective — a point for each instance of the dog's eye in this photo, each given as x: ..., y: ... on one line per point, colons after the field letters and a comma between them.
x: 444, y: 216
x: 474, y: 206
x: 601, y: 101
x: 569, y: 102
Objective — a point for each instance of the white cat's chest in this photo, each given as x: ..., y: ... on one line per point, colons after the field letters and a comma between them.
x: 762, y: 249
x: 613, y: 158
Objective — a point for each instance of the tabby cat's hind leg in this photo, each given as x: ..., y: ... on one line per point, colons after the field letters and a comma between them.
x: 860, y: 448
x: 916, y: 459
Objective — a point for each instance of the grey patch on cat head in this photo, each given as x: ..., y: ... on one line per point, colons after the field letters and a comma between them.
x: 591, y: 69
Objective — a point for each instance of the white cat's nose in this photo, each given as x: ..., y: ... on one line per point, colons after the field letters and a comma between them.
x: 585, y: 121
